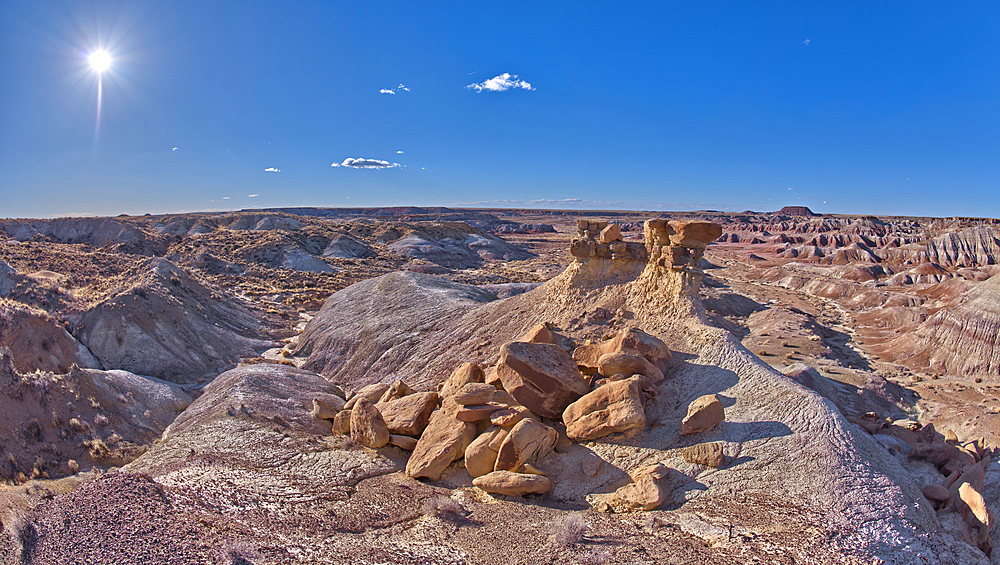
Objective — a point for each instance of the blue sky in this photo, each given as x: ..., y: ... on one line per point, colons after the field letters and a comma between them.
x: 866, y: 107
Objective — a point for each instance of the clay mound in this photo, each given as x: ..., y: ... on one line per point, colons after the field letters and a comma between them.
x: 967, y: 248
x: 794, y: 450
x: 455, y: 245
x: 961, y: 340
x: 91, y: 417
x: 347, y: 247
x: 168, y: 325
x: 124, y: 236
x: 37, y: 342
x: 404, y: 306
x: 926, y: 273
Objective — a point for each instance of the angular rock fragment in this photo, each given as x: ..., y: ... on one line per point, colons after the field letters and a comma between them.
x: 326, y: 407
x: 367, y: 426
x: 508, y: 417
x: 475, y: 393
x: 513, y: 484
x: 398, y: 389
x: 527, y: 441
x: 613, y: 408
x: 477, y: 412
x: 541, y: 376
x: 443, y: 442
x: 708, y: 454
x: 694, y: 233
x: 609, y: 234
x: 629, y: 363
x: 538, y: 334
x: 409, y: 415
x: 481, y: 455
x: 629, y: 340
x: 342, y: 422
x: 372, y: 393
x: 403, y: 442
x: 465, y: 373
x: 936, y: 493
x: 647, y: 490
x: 703, y: 414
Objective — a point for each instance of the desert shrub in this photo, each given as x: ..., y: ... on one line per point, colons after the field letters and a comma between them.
x: 441, y: 506
x: 237, y: 553
x: 570, y: 531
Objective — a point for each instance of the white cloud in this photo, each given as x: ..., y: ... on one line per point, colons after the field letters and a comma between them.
x: 790, y: 188
x: 500, y: 83
x: 272, y: 170
x: 399, y: 152
x: 225, y: 198
x: 360, y: 163
x: 252, y: 195
x: 174, y: 149
x: 401, y: 87
x: 807, y: 42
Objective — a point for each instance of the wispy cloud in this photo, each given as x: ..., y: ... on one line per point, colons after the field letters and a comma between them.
x: 174, y: 149
x: 400, y: 88
x: 252, y: 195
x: 807, y: 42
x: 360, y: 163
x: 790, y: 188
x: 500, y: 83
x: 399, y: 152
x: 272, y: 170
x: 546, y: 202
x: 225, y: 198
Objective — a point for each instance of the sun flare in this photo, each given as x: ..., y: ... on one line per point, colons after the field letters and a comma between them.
x: 100, y: 61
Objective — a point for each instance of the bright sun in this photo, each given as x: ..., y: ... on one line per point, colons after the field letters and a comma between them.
x: 100, y: 61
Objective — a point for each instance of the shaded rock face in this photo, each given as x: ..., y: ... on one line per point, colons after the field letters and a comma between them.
x: 613, y: 408
x: 541, y: 376
x: 169, y: 326
x: 37, y: 343
x: 88, y: 416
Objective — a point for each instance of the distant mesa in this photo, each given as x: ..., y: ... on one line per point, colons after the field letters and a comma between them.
x: 796, y: 211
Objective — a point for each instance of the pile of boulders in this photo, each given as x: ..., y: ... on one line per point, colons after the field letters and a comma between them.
x: 537, y: 397
x: 962, y: 463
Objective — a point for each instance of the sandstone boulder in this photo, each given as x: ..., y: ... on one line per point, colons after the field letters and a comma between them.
x: 443, y: 442
x: 398, y: 389
x: 465, y: 373
x: 513, y: 484
x: 611, y: 364
x: 694, y: 233
x: 367, y: 426
x: 475, y: 393
x: 527, y: 441
x: 342, y: 422
x: 613, y: 408
x: 703, y: 414
x: 327, y: 407
x: 541, y: 376
x: 408, y: 416
x: 628, y: 340
x: 372, y: 393
x: 477, y: 412
x: 610, y: 234
x: 710, y: 455
x: 481, y: 455
x: 403, y: 442
x: 935, y: 493
x: 508, y: 417
x: 538, y: 334
x: 647, y: 490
